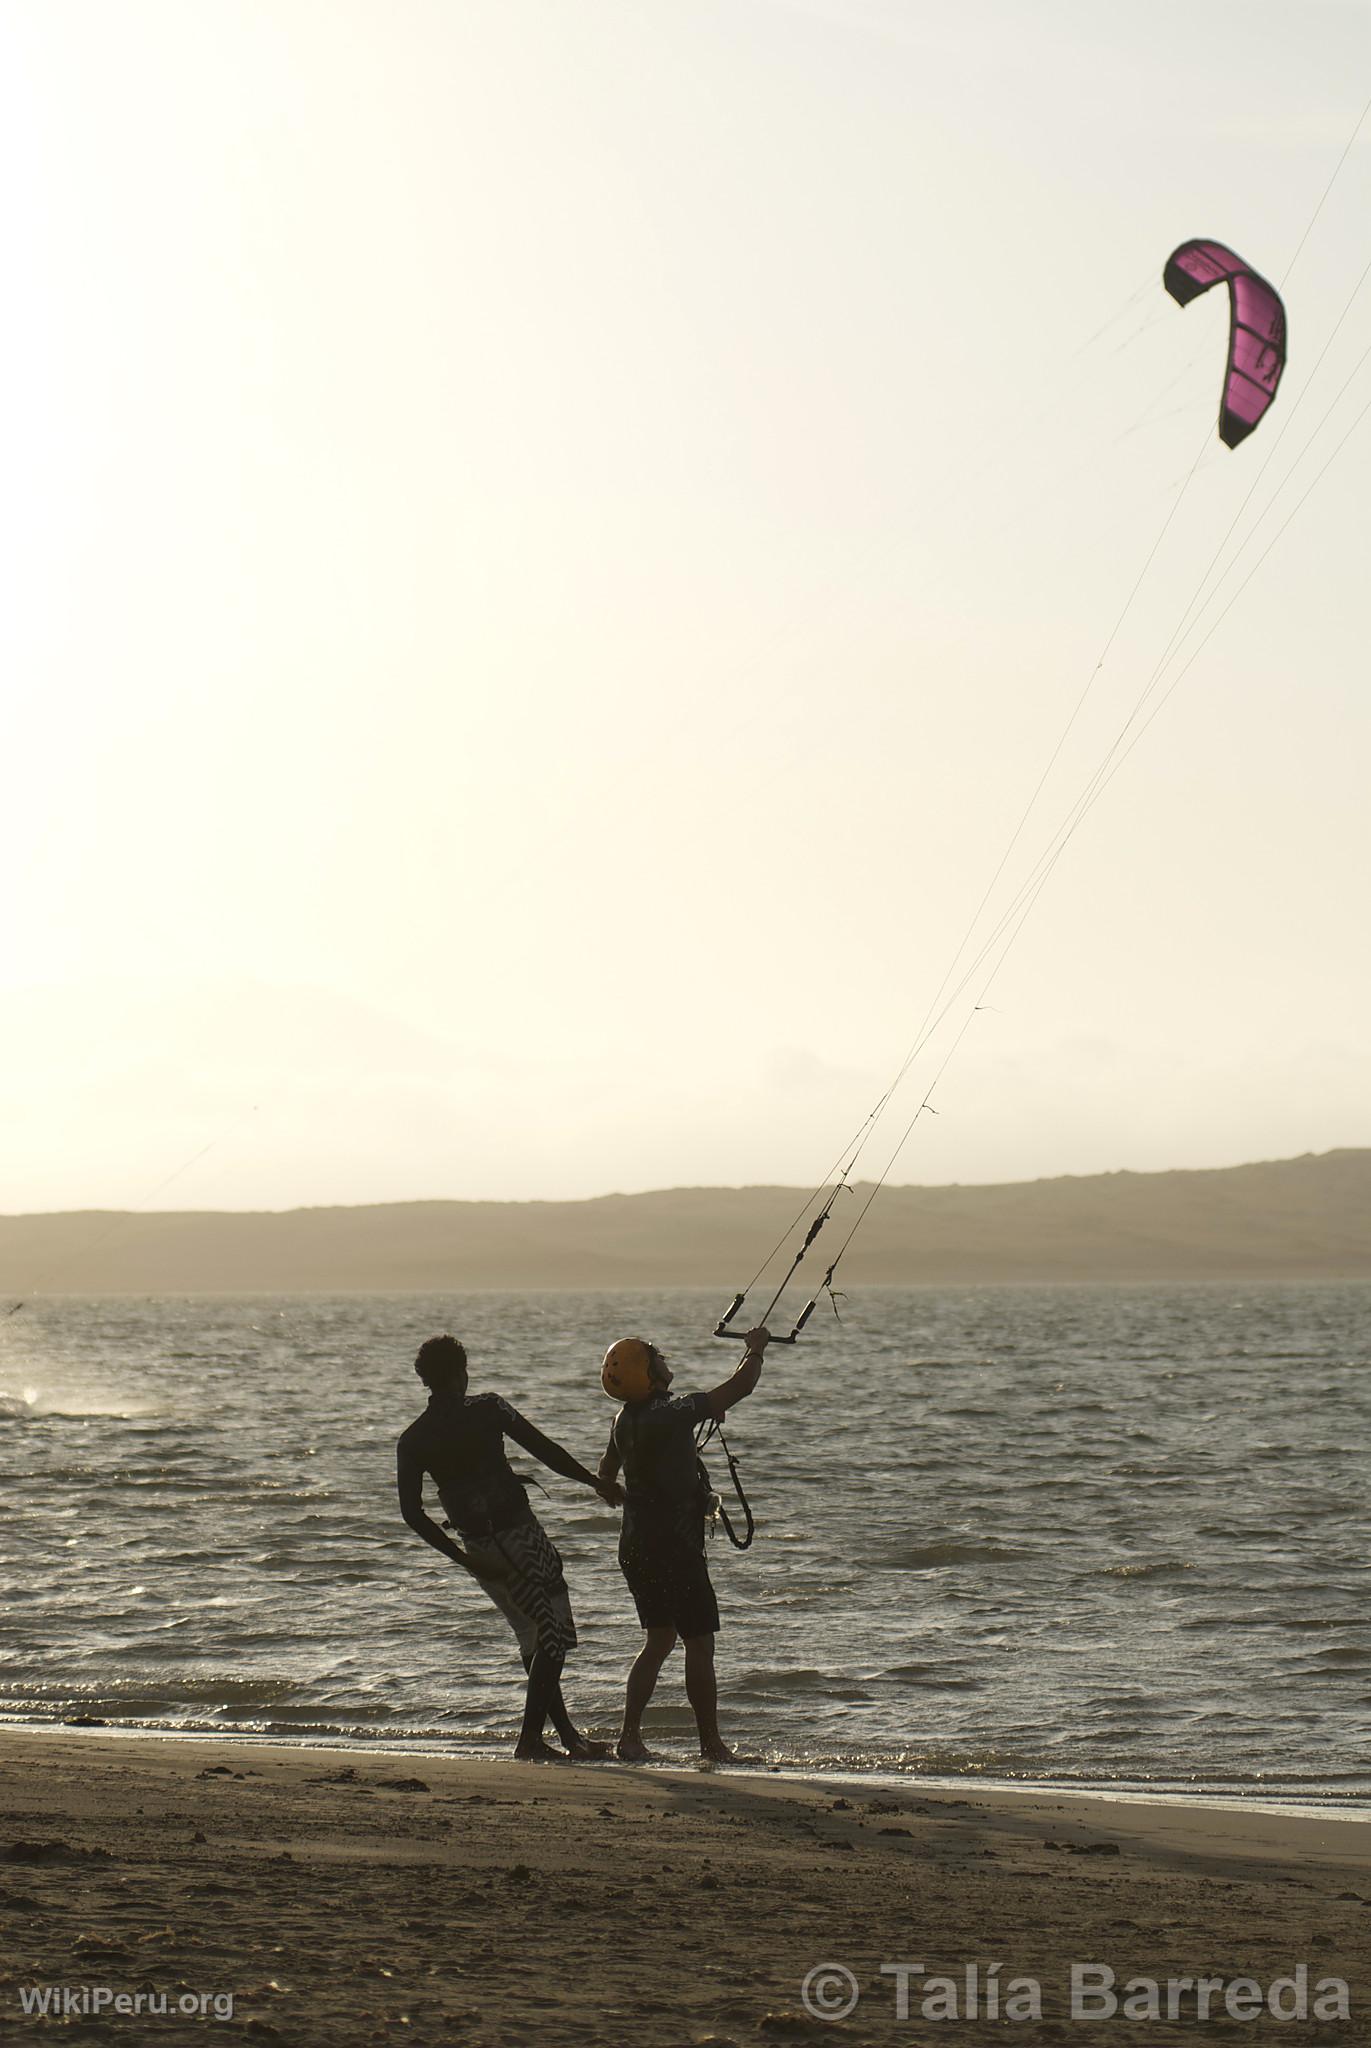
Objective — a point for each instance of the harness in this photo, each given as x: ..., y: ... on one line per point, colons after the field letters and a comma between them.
x: 715, y: 1509
x: 714, y: 1429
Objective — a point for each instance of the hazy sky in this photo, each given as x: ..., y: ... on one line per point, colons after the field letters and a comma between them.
x: 547, y: 546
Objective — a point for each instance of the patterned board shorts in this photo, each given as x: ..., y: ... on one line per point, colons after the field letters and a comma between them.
x: 532, y: 1594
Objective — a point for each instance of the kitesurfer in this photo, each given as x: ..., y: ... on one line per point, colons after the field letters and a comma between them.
x: 459, y: 1442
x: 661, y: 1546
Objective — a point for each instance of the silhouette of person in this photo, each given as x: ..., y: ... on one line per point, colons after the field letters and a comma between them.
x: 662, y: 1542
x: 459, y: 1441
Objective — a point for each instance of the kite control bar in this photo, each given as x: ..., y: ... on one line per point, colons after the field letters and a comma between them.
x: 721, y: 1328
x: 738, y: 1338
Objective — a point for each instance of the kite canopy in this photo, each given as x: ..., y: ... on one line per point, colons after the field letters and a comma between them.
x: 1256, y: 338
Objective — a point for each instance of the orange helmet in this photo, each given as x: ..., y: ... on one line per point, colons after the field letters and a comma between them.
x: 626, y: 1374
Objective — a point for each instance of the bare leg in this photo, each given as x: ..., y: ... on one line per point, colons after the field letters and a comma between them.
x: 575, y: 1744
x: 642, y: 1678
x: 544, y: 1672
x: 703, y: 1693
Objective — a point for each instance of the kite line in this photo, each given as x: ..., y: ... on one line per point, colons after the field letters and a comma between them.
x: 1255, y: 363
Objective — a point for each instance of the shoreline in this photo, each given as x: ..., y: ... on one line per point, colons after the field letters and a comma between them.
x: 1276, y: 1799
x: 461, y: 1899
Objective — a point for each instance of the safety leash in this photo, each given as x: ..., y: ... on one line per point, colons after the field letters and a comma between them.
x: 739, y: 1542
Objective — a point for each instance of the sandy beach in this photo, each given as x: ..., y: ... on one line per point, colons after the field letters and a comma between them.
x: 345, y: 1896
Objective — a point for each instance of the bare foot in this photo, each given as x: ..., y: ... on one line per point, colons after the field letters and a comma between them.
x: 540, y: 1753
x: 631, y: 1749
x: 720, y: 1753
x: 584, y: 1751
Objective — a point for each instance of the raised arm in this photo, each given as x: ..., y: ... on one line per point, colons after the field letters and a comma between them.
x: 740, y: 1384
x: 409, y: 1482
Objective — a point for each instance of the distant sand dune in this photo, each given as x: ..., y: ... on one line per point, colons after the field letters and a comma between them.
x: 1295, y: 1219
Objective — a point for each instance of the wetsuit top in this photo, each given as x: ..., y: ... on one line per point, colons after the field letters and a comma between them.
x: 459, y: 1442
x: 655, y: 1440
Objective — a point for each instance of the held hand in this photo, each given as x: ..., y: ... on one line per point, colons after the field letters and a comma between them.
x: 758, y: 1339
x: 610, y: 1492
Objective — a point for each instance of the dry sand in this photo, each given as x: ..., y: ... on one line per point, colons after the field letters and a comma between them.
x: 349, y: 1897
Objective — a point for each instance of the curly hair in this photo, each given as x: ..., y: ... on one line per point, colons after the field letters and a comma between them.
x: 440, y: 1361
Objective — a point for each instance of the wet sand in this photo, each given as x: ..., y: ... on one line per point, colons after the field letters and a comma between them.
x: 346, y: 1897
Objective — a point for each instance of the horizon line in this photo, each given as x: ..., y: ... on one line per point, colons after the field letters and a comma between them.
x: 683, y: 1188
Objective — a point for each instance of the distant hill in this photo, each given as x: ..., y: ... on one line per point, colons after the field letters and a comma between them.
x: 1295, y: 1219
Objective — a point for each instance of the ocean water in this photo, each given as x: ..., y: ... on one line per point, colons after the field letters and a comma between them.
x: 1113, y: 1536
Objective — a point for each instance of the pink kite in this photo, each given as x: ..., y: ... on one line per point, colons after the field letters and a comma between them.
x: 1256, y: 340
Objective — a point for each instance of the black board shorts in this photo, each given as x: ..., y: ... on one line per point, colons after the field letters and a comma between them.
x: 668, y: 1577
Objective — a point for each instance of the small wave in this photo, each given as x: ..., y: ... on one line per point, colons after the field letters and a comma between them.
x: 933, y: 1554
x: 137, y: 1695
x: 1312, y: 1621
x: 1162, y: 1569
x: 32, y: 1405
x: 791, y: 1679
x: 928, y: 1678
